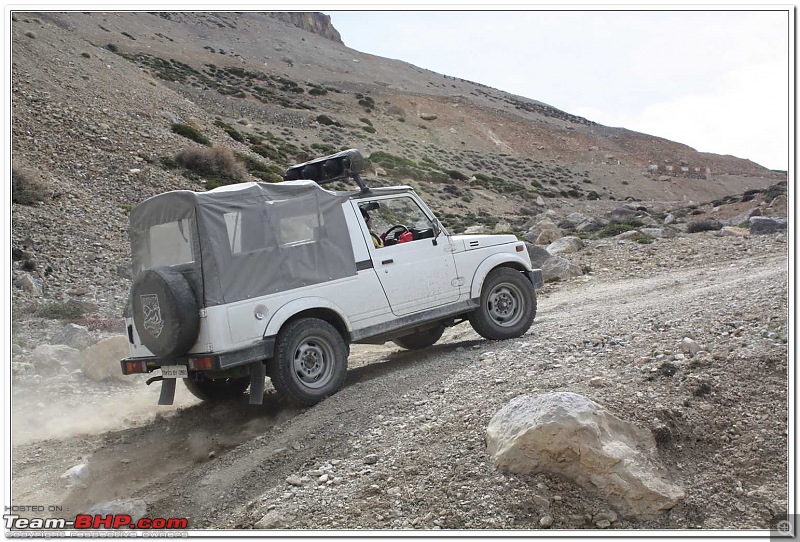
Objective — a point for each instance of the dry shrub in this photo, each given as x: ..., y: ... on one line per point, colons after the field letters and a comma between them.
x: 215, y: 164
x: 703, y: 225
x: 27, y: 187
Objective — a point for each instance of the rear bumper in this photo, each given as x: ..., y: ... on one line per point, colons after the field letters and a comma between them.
x: 219, y: 362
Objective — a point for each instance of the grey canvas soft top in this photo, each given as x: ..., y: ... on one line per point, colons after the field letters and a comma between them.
x: 245, y: 240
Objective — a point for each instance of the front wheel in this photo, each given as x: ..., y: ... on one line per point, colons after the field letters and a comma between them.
x: 220, y: 389
x: 507, y: 305
x: 310, y: 361
x: 421, y: 339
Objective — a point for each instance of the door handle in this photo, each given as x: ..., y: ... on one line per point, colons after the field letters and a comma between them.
x: 390, y: 260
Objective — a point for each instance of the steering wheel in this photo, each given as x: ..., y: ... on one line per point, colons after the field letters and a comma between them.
x: 400, y: 230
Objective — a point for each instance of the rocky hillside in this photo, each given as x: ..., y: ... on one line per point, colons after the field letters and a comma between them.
x: 105, y: 106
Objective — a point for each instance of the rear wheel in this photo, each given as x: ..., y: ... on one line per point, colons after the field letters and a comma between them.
x: 310, y: 361
x: 421, y: 339
x: 507, y: 305
x: 220, y: 389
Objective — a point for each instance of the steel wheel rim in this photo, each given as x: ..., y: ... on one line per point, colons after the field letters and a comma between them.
x: 505, y: 305
x: 312, y: 363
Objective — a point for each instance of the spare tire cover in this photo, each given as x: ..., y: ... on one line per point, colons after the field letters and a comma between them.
x: 165, y: 312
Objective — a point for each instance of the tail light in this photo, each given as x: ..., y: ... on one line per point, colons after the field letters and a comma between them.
x: 132, y: 367
x: 199, y: 364
x: 520, y: 248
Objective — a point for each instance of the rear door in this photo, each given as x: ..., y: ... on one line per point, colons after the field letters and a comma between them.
x: 415, y: 275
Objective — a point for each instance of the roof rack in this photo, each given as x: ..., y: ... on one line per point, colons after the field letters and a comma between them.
x: 331, y: 168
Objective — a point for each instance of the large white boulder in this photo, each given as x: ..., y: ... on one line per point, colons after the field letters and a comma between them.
x: 557, y: 268
x: 101, y: 360
x: 569, y: 435
x: 542, y: 226
x: 565, y: 245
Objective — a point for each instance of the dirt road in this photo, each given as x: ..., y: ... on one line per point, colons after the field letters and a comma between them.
x: 402, y: 445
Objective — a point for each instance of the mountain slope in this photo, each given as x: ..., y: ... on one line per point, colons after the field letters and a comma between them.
x: 96, y: 97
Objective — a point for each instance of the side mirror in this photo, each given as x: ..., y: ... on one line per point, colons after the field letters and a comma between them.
x: 437, y: 231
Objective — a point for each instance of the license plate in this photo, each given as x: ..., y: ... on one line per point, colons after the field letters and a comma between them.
x: 175, y: 371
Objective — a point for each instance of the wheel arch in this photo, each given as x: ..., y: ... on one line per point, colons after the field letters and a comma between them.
x: 309, y: 308
x: 490, y: 264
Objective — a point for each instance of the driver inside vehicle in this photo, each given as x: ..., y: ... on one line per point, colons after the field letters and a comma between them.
x: 376, y: 239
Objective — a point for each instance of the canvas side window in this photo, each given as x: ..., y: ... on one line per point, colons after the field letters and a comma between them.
x: 170, y: 244
x: 298, y: 229
x: 249, y: 228
x: 233, y: 224
x: 298, y: 221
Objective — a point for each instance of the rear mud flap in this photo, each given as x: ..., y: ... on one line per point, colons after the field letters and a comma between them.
x: 167, y: 396
x: 536, y: 277
x: 258, y: 375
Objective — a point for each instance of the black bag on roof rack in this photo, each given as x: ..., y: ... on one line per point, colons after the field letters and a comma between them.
x: 334, y: 167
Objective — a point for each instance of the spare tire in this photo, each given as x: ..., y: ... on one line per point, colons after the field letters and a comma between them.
x: 165, y: 312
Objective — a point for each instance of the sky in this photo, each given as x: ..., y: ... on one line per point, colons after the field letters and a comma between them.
x: 717, y: 81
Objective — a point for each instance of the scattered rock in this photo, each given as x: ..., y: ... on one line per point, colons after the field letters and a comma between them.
x: 659, y: 232
x: 565, y: 245
x: 743, y: 218
x: 597, y: 382
x: 28, y: 284
x: 541, y: 502
x: 573, y: 219
x: 532, y: 235
x: 760, y: 225
x: 274, y: 519
x: 74, y: 335
x: 545, y: 522
x: 428, y: 116
x: 370, y: 459
x: 537, y: 254
x: 591, y: 224
x: 101, y: 360
x: 570, y: 435
x: 294, y: 480
x: 626, y: 213
x: 606, y: 515
x: 76, y: 476
x: 779, y: 206
x: 548, y: 236
x: 557, y: 268
x: 732, y: 231
x: 689, y: 346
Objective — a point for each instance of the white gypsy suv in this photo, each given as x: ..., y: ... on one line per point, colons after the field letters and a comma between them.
x: 257, y: 279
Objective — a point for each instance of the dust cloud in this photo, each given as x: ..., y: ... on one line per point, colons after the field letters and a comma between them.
x: 65, y: 411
